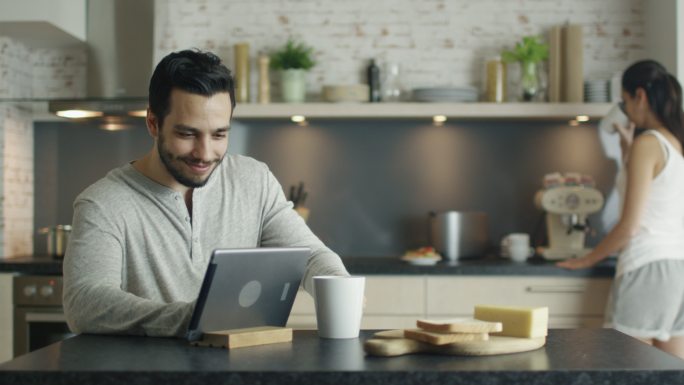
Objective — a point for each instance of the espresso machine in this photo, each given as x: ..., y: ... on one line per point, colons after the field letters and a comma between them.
x: 568, y: 200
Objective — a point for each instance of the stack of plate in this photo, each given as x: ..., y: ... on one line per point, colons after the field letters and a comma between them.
x: 596, y: 91
x: 445, y: 94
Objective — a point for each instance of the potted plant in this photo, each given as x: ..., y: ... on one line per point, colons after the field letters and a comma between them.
x: 529, y: 53
x: 293, y: 60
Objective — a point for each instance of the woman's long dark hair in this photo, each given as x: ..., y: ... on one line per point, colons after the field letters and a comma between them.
x: 662, y: 90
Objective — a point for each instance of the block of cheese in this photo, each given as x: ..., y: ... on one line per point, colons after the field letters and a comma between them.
x: 524, y: 322
x: 443, y: 338
x: 459, y: 325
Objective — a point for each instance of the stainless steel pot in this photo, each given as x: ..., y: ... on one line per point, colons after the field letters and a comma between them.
x: 57, y: 239
x: 459, y: 234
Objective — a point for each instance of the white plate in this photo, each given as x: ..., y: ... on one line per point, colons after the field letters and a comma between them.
x: 421, y: 261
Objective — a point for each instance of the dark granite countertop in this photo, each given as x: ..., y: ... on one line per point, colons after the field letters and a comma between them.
x: 490, y: 265
x: 35, y: 265
x: 581, y: 356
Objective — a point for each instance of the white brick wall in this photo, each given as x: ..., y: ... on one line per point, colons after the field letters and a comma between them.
x: 17, y: 182
x: 15, y: 75
x: 59, y: 73
x: 41, y: 73
x: 27, y: 73
x: 437, y: 42
x: 16, y: 152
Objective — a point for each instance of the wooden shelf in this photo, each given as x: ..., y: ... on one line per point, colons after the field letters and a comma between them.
x: 524, y: 111
x: 469, y: 111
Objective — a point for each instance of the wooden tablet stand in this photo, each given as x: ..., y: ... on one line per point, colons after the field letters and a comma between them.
x: 238, y: 338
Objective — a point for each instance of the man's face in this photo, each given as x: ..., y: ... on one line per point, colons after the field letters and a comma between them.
x: 194, y: 137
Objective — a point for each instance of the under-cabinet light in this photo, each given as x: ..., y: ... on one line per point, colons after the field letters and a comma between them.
x: 298, y: 118
x: 79, y: 114
x: 582, y: 118
x: 439, y: 118
x: 114, y: 126
x: 138, y: 113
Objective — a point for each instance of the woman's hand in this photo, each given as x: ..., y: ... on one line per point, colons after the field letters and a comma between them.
x: 578, y: 263
x: 626, y: 133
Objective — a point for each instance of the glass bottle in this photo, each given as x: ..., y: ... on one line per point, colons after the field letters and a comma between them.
x: 391, y: 88
x: 373, y: 75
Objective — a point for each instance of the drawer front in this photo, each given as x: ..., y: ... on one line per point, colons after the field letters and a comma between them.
x: 565, y: 296
x: 395, y: 295
x: 388, y: 322
x: 303, y: 304
x: 387, y: 295
x: 301, y: 322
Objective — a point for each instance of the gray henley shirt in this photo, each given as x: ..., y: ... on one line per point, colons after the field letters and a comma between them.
x: 136, y: 257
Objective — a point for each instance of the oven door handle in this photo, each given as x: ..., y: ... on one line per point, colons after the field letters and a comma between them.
x: 45, y: 317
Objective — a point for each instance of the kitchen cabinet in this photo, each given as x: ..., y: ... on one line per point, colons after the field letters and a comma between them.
x: 572, y: 302
x: 6, y: 330
x: 397, y: 301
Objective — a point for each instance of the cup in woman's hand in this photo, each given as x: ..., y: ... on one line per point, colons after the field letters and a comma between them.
x: 613, y: 117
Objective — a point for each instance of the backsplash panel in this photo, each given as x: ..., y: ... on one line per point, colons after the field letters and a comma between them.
x: 371, y: 183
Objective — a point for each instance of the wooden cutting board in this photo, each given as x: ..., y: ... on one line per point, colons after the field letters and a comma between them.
x: 443, y: 338
x: 387, y: 345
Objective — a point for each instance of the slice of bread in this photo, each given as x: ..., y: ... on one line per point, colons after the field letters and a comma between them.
x: 459, y: 325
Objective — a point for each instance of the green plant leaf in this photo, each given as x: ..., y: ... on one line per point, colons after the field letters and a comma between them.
x: 293, y: 56
x: 530, y: 49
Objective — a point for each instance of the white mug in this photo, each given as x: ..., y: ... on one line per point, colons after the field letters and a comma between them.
x: 615, y: 115
x: 339, y: 305
x: 516, y: 246
x: 520, y: 253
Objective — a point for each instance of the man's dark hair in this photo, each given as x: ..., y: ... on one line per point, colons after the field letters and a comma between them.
x: 192, y: 71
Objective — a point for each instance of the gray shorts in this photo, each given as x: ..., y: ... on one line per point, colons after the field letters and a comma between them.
x: 649, y: 302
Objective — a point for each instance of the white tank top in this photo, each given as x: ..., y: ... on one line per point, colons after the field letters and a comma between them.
x: 661, y: 231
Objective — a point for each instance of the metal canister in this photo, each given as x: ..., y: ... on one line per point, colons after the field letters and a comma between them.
x: 57, y: 239
x: 459, y: 234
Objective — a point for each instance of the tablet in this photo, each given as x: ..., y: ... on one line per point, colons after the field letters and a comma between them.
x: 247, y: 288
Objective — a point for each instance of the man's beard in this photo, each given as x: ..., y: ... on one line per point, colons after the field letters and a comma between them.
x: 171, y: 162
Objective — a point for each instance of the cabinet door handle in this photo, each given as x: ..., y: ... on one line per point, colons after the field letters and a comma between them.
x: 555, y: 289
x: 45, y: 317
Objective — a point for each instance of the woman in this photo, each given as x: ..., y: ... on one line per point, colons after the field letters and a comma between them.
x: 647, y: 299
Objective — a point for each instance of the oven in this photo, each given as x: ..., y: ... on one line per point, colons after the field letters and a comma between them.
x: 38, y: 315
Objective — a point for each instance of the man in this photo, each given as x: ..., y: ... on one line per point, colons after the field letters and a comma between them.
x: 142, y: 236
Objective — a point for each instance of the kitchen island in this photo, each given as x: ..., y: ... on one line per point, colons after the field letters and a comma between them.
x: 578, y: 356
